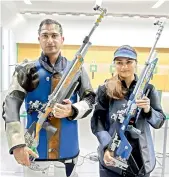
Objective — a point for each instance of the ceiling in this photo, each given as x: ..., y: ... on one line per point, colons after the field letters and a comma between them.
x: 143, y: 8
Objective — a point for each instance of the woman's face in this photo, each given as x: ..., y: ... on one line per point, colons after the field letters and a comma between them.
x: 125, y: 67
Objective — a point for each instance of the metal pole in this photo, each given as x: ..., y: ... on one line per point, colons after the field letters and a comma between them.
x: 164, y: 148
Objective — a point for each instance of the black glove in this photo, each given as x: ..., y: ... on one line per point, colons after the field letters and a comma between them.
x: 28, y: 77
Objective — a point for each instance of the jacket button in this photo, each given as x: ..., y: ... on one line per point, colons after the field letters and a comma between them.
x: 47, y: 78
x: 50, y: 150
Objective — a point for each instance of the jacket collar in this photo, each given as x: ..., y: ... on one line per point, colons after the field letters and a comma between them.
x: 59, y: 66
x: 132, y: 83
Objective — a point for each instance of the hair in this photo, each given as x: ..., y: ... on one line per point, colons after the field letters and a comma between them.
x: 49, y: 22
x: 114, y: 87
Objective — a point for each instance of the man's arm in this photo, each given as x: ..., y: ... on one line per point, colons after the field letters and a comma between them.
x: 84, y: 107
x: 24, y: 79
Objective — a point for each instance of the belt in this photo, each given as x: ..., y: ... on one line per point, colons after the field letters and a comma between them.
x: 69, y: 161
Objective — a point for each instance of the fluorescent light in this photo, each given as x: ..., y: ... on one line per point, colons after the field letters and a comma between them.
x: 158, y: 4
x: 55, y: 14
x: 69, y: 15
x: 163, y: 18
x: 125, y: 16
x: 27, y: 13
x: 152, y: 17
x: 42, y: 14
x: 136, y: 16
x: 27, y: 2
x: 82, y: 15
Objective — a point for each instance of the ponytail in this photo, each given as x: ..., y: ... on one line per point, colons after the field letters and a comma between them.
x: 115, y: 88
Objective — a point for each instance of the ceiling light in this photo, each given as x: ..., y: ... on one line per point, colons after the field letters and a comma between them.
x: 136, y: 16
x: 152, y: 17
x: 27, y: 2
x: 42, y: 13
x: 69, y: 15
x: 158, y: 4
x: 125, y: 16
x: 82, y: 15
x: 163, y: 18
x: 55, y: 14
x: 27, y: 13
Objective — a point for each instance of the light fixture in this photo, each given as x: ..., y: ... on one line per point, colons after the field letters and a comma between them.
x: 136, y: 16
x: 158, y: 4
x: 82, y: 15
x: 42, y: 14
x: 27, y: 2
x: 68, y: 15
x: 163, y: 18
x: 125, y: 16
x: 55, y: 14
x: 152, y: 17
x: 27, y: 13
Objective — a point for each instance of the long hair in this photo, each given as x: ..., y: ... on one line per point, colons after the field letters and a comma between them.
x: 114, y: 88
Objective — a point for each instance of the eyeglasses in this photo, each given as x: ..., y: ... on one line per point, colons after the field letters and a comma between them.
x: 120, y: 63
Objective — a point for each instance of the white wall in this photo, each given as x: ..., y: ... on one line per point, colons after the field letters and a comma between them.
x: 111, y: 32
x: 9, y: 57
x: 1, y: 59
x: 5, y: 59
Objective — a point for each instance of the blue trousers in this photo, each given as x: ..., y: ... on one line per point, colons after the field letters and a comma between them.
x: 104, y: 172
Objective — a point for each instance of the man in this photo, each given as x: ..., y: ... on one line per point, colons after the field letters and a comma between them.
x: 34, y: 81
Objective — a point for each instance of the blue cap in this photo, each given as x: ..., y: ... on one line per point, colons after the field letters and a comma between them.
x: 125, y: 51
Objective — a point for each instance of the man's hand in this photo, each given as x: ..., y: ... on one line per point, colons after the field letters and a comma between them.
x: 63, y: 110
x: 144, y: 103
x: 22, y: 155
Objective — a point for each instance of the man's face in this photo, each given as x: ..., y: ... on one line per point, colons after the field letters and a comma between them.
x: 50, y: 39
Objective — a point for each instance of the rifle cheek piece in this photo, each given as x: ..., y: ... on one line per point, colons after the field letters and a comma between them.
x: 49, y: 128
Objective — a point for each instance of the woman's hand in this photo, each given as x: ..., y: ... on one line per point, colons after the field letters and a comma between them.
x: 108, y: 158
x: 144, y: 103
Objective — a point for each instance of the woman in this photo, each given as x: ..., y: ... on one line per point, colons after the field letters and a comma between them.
x: 112, y: 97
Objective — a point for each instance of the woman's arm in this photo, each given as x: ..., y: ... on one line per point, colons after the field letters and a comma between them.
x: 98, y: 119
x: 155, y: 116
